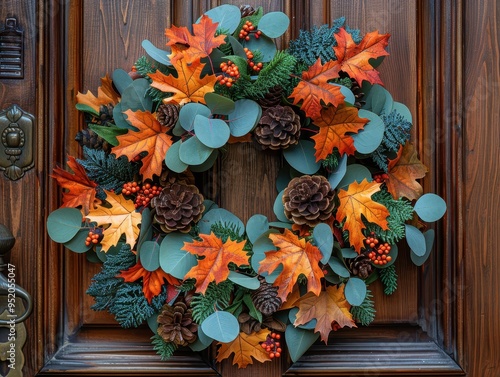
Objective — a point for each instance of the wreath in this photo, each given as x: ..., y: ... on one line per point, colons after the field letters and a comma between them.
x: 348, y: 192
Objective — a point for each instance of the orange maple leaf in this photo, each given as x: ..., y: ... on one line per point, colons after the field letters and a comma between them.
x: 355, y: 204
x: 244, y: 348
x: 314, y: 88
x: 152, y: 281
x: 121, y: 217
x: 297, y: 257
x: 403, y: 172
x: 150, y: 137
x: 81, y: 190
x: 105, y: 95
x: 331, y: 305
x: 187, y: 86
x: 335, y: 126
x: 354, y: 58
x: 216, y: 258
x: 196, y: 46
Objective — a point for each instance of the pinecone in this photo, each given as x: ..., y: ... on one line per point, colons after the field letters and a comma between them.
x: 361, y: 266
x: 271, y: 98
x: 278, y: 128
x: 167, y: 114
x: 248, y: 324
x: 265, y: 298
x: 168, y: 177
x: 177, y: 206
x: 176, y: 325
x: 246, y: 10
x: 90, y: 139
x: 308, y: 200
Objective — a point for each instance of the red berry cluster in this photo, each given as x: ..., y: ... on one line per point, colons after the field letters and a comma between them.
x: 248, y: 29
x: 253, y: 66
x: 380, y: 177
x: 230, y: 74
x: 378, y: 251
x: 272, y: 345
x: 94, y: 237
x: 143, y: 193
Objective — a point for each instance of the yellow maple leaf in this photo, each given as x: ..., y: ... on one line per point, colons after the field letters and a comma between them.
x: 331, y: 305
x: 244, y: 348
x: 120, y: 218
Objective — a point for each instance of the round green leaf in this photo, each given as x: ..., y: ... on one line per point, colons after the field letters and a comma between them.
x: 429, y: 242
x: 209, y: 205
x: 113, y: 250
x: 223, y: 216
x: 338, y: 267
x: 219, y: 104
x: 135, y: 96
x: 214, y: 133
x: 153, y: 322
x: 379, y: 100
x: 77, y: 243
x: 403, y: 111
x: 146, y: 232
x: 369, y: 138
x: 244, y: 280
x: 172, y: 159
x: 301, y: 157
x: 260, y: 246
x: 256, y: 226
x: 348, y: 252
x: 173, y: 260
x: 228, y: 16
x: 92, y: 257
x: 188, y: 113
x: 347, y: 93
x: 245, y: 117
x: 355, y: 172
x: 280, y: 225
x: 121, y: 80
x: 393, y: 254
x: 121, y: 119
x: 415, y: 239
x: 194, y: 152
x: 150, y: 255
x: 355, y: 291
x: 279, y: 209
x: 301, y: 340
x: 323, y: 239
x: 274, y: 24
x: 202, y: 341
x: 161, y: 56
x: 221, y: 326
x: 339, y: 172
x: 430, y: 207
x: 265, y: 45
x: 63, y: 224
x: 283, y: 178
x: 292, y: 315
x: 209, y: 162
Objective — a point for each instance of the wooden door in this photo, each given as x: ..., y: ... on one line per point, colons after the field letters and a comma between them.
x: 427, y: 328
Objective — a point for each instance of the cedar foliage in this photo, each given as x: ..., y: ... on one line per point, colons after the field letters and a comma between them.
x: 365, y: 313
x: 389, y: 278
x: 162, y: 348
x: 217, y: 296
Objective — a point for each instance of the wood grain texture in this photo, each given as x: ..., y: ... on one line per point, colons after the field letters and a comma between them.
x: 482, y: 179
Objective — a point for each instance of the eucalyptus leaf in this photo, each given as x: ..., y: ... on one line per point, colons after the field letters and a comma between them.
x: 403, y: 111
x: 301, y: 340
x: 338, y: 267
x: 256, y: 226
x: 347, y: 93
x: 355, y: 173
x: 274, y: 24
x: 146, y: 232
x: 221, y: 326
x: 279, y: 208
x: 86, y: 109
x: 173, y: 160
x: 283, y: 178
x: 77, y: 243
x: 355, y: 291
x: 348, y: 252
x: 214, y: 133
x: 121, y: 119
x: 415, y: 239
x: 429, y: 242
x: 198, y: 344
x: 135, y: 96
x: 194, y: 152
x: 188, y: 113
x: 209, y: 162
x: 161, y: 56
x: 219, y: 104
x: 265, y: 45
x: 260, y: 246
x: 223, y: 216
x: 153, y: 322
x: 292, y: 315
x: 228, y: 16
x: 108, y: 133
x: 280, y: 225
x: 244, y: 280
x: 323, y: 239
x: 379, y: 100
x: 92, y: 257
x: 209, y: 205
x: 63, y: 224
x: 113, y: 250
x: 121, y: 80
x: 369, y: 138
x: 237, y: 47
x: 430, y: 207
x: 150, y: 255
x: 338, y: 173
x: 301, y: 157
x: 173, y: 260
x: 245, y: 117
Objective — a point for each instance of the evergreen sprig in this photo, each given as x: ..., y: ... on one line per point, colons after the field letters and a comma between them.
x: 162, y: 348
x: 216, y: 296
x: 389, y: 279
x: 365, y: 313
x: 144, y: 67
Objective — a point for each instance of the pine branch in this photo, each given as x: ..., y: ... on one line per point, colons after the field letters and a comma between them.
x: 365, y: 313
x: 389, y: 278
x: 216, y: 296
x: 162, y: 348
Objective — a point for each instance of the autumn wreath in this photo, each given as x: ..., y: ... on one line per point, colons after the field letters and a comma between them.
x: 348, y: 192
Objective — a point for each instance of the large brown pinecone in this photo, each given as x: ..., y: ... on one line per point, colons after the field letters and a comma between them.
x: 167, y: 114
x: 361, y: 266
x: 265, y: 298
x: 248, y: 324
x: 176, y: 325
x: 278, y: 128
x: 90, y: 139
x: 271, y: 98
x: 177, y: 206
x: 308, y: 200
